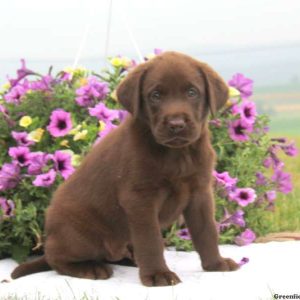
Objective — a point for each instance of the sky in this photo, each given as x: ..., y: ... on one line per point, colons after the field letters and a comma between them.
x: 54, y: 29
x: 232, y: 35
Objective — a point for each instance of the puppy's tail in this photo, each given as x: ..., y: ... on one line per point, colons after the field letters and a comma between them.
x: 38, y: 265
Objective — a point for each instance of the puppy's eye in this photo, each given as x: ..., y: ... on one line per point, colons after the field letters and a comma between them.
x: 192, y: 93
x: 155, y: 96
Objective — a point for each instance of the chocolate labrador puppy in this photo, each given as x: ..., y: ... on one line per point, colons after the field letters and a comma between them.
x: 155, y: 166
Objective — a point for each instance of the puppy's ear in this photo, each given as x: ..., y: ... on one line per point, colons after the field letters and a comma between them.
x: 216, y: 89
x: 129, y: 91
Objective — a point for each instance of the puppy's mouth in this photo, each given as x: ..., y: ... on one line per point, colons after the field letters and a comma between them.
x: 176, y: 142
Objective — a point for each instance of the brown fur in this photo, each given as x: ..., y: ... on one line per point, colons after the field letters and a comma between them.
x: 140, y: 178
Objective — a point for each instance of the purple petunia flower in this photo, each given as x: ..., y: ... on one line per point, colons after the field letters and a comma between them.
x: 270, y: 195
x: 225, y: 221
x: 290, y: 149
x: 279, y: 140
x: 22, y: 73
x: 216, y: 122
x: 184, y: 234
x: 62, y: 161
x: 238, y: 129
x: 243, y: 261
x: 60, y: 123
x: 243, y: 196
x: 238, y: 218
x: 44, y: 84
x: 103, y: 113
x: 37, y: 161
x: 9, y: 176
x: 225, y: 180
x: 283, y: 181
x: 235, y: 109
x: 267, y: 163
x: 260, y: 179
x: 91, y: 93
x: 248, y: 111
x: 235, y: 219
x: 17, y: 92
x: 242, y: 84
x: 108, y: 128
x: 276, y: 162
x: 122, y: 115
x: 245, y: 238
x: 158, y: 51
x: 7, y: 207
x: 46, y: 179
x: 65, y: 76
x: 3, y: 110
x: 22, y: 138
x: 20, y: 154
x: 266, y: 129
x: 6, y: 116
x: 273, y: 160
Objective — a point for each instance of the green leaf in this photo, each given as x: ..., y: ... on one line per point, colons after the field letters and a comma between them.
x: 20, y: 253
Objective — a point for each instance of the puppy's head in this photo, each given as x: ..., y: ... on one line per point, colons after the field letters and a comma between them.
x: 173, y: 94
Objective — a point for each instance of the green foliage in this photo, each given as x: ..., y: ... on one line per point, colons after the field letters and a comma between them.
x: 21, y: 229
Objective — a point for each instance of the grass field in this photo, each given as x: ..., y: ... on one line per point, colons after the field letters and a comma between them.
x: 282, y: 104
x: 286, y: 124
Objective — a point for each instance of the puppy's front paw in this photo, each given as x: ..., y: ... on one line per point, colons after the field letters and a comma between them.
x: 224, y: 264
x: 160, y: 279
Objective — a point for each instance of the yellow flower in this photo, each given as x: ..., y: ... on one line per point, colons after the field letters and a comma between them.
x: 71, y: 70
x: 36, y: 135
x: 80, y: 135
x: 75, y: 130
x: 25, y: 121
x: 79, y: 71
x: 116, y: 62
x: 102, y: 125
x: 126, y: 62
x: 120, y: 62
x: 5, y: 87
x: 83, y: 81
x: 228, y: 103
x: 233, y: 93
x: 150, y: 56
x: 76, y: 159
x: 64, y: 143
x: 113, y: 95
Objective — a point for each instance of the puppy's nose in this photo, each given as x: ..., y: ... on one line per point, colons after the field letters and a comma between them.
x: 176, y: 125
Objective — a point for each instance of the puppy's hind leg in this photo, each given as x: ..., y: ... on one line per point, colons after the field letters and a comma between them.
x: 85, y: 269
x: 79, y: 257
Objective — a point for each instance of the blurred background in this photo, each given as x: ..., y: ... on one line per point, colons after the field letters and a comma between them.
x: 260, y: 38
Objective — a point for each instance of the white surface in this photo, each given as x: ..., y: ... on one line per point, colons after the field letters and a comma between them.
x: 273, y: 268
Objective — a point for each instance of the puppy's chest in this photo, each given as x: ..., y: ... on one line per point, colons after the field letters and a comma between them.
x: 178, y: 194
x: 181, y: 166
